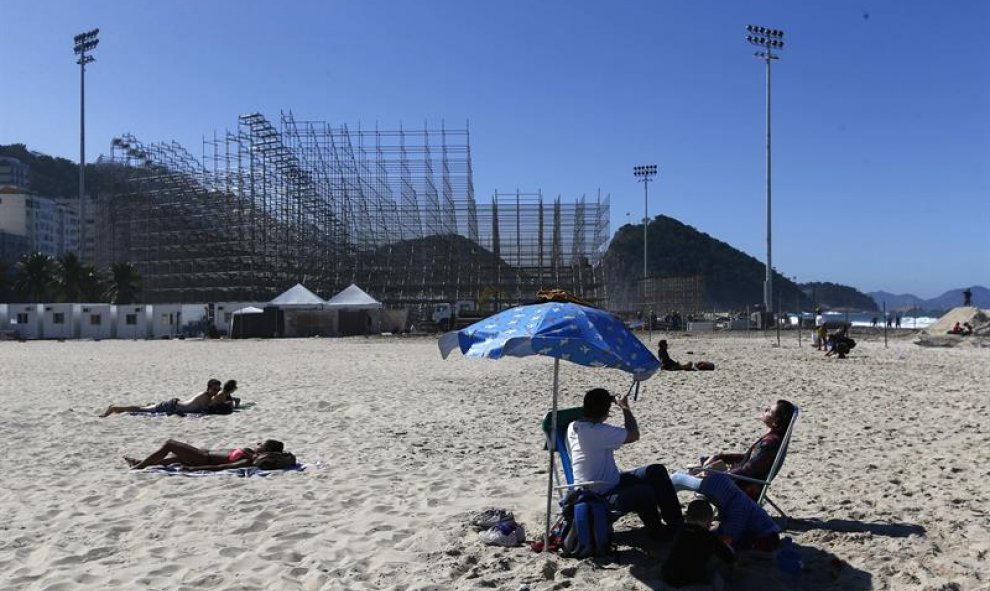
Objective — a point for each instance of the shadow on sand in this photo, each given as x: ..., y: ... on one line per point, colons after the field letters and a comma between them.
x: 890, y: 530
x: 754, y: 571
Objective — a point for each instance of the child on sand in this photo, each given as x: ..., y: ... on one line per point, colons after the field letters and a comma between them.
x: 743, y: 524
x: 695, y: 545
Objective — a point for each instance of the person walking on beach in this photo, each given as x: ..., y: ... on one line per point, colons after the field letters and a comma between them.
x: 818, y: 337
x: 196, y: 404
x: 967, y: 297
x: 592, y: 442
x: 190, y: 457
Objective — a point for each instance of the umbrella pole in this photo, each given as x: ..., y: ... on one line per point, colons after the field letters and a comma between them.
x: 552, y: 447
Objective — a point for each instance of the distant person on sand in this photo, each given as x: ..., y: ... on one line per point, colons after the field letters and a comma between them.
x: 688, y: 561
x: 758, y: 459
x: 668, y: 364
x: 890, y: 321
x: 897, y: 321
x: 818, y: 337
x: 967, y: 297
x: 873, y: 323
x: 267, y: 455
x: 967, y: 329
x: 592, y: 442
x: 197, y: 404
x: 956, y: 329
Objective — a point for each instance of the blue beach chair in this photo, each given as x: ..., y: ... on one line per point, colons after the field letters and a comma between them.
x: 564, y: 478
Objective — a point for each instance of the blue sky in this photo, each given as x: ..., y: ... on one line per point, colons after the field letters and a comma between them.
x: 881, y: 131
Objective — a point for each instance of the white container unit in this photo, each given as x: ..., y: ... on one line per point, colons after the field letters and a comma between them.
x: 95, y: 321
x: 25, y: 320
x: 166, y: 320
x: 131, y: 321
x: 59, y: 321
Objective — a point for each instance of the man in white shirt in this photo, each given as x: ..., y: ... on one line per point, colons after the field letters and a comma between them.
x: 592, y: 442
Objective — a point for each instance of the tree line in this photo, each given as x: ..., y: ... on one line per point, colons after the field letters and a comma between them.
x: 39, y: 277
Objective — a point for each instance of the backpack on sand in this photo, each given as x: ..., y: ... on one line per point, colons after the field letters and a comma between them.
x: 587, y: 530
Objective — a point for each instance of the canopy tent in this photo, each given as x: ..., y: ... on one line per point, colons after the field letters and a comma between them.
x: 353, y: 298
x: 297, y: 296
x: 248, y: 310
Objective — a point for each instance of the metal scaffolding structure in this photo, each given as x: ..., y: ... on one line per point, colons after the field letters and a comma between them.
x: 394, y: 211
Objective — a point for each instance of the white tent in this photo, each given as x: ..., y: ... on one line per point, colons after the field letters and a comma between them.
x: 248, y: 310
x: 353, y: 298
x: 298, y: 296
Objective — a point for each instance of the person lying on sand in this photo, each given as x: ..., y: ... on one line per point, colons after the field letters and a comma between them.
x: 197, y: 404
x: 223, y: 403
x: 267, y: 455
x: 668, y: 364
x: 759, y: 458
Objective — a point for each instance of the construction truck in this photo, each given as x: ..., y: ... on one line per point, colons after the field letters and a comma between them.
x: 463, y: 313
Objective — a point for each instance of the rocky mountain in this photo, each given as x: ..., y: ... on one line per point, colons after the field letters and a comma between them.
x: 948, y: 300
x: 832, y: 296
x: 732, y: 279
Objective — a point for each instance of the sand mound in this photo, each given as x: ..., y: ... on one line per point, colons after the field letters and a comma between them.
x: 977, y: 318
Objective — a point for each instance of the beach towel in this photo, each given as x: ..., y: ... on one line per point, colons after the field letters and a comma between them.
x: 197, y: 415
x: 239, y: 472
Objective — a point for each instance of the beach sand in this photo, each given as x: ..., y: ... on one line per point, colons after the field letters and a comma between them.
x: 889, y: 470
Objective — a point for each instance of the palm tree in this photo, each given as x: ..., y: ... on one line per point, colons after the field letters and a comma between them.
x: 35, y: 272
x: 4, y: 282
x: 125, y: 284
x: 92, y: 288
x: 69, y: 277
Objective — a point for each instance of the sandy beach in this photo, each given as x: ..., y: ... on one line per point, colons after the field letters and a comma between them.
x: 889, y: 470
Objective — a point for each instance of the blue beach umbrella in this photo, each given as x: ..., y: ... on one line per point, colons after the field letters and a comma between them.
x: 562, y: 330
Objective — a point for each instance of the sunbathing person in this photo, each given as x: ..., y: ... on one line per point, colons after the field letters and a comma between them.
x: 668, y: 364
x: 267, y: 455
x: 196, y: 404
x: 759, y: 458
x: 223, y: 403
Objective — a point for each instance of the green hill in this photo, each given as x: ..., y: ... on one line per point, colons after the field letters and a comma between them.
x: 732, y: 279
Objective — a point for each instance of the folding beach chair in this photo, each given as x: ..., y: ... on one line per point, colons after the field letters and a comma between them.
x: 564, y: 476
x: 778, y: 462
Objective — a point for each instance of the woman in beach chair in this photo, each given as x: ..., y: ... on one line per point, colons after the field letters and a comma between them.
x: 267, y: 455
x: 758, y: 459
x: 200, y: 403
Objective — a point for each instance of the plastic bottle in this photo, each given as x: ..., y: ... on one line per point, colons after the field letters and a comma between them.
x: 788, y: 558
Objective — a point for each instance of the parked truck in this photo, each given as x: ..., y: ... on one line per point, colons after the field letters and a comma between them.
x: 454, y: 316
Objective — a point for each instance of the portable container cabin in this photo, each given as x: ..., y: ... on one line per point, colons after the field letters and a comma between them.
x: 95, y: 321
x: 166, y: 320
x: 131, y: 321
x: 59, y: 321
x: 25, y: 320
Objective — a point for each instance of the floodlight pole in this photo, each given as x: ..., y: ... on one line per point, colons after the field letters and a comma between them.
x: 769, y: 40
x: 645, y: 174
x: 84, y: 43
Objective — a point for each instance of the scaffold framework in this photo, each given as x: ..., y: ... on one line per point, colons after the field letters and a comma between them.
x: 393, y: 211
